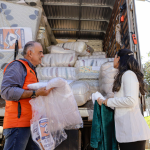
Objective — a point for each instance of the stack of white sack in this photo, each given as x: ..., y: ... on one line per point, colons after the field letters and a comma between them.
x: 98, y: 53
x: 89, y: 68
x: 106, y: 79
x: 93, y: 85
x: 54, y: 113
x: 59, y: 60
x: 80, y: 89
x: 47, y: 73
x: 78, y: 47
x: 56, y: 49
x: 81, y: 92
x: 92, y: 57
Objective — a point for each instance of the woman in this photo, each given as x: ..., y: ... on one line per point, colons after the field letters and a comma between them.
x: 132, y: 130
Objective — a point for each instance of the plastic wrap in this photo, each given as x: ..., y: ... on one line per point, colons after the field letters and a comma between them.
x: 89, y: 68
x: 106, y: 79
x: 16, y: 15
x: 79, y: 47
x: 5, y: 58
x: 53, y: 113
x: 93, y: 85
x: 56, y: 49
x: 47, y: 73
x: 98, y: 53
x: 92, y: 57
x: 80, y: 91
x: 59, y: 60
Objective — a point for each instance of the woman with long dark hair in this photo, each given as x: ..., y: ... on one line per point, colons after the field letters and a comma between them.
x: 132, y: 130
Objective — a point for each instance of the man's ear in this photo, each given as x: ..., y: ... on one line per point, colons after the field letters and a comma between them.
x: 29, y: 53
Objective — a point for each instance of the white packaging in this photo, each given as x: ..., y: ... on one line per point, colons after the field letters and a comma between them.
x: 56, y: 49
x: 47, y: 73
x: 106, y: 79
x: 79, y: 47
x: 55, y: 112
x: 81, y: 92
x: 89, y: 68
x: 92, y: 57
x: 98, y: 53
x: 59, y: 60
x: 63, y: 60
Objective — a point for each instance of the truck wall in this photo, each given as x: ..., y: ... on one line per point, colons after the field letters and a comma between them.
x: 110, y: 44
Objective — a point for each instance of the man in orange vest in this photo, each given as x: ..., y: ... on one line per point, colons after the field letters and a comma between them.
x: 17, y: 75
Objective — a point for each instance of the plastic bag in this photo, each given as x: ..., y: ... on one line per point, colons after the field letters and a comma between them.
x: 80, y: 91
x: 106, y: 79
x: 47, y: 73
x: 92, y: 57
x: 98, y: 53
x: 53, y: 113
x: 79, y: 47
x: 59, y: 60
x: 56, y: 49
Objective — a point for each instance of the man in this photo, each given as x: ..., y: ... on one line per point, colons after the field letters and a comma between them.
x: 17, y: 75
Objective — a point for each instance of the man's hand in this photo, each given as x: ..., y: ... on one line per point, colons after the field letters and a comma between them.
x: 43, y: 91
x: 101, y: 101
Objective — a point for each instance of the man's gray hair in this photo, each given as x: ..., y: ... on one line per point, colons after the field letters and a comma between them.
x: 27, y: 46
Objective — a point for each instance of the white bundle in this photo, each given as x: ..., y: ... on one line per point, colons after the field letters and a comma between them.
x: 54, y: 113
x: 89, y: 68
x: 106, y: 79
x: 92, y: 57
x: 93, y: 85
x: 92, y: 62
x: 79, y: 47
x: 57, y: 49
x: 98, y: 53
x: 80, y: 91
x: 59, y: 60
x: 47, y: 73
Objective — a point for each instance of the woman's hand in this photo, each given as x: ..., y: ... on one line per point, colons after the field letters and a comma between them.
x: 101, y: 101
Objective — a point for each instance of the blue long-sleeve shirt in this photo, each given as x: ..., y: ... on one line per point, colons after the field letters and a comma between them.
x: 13, y: 80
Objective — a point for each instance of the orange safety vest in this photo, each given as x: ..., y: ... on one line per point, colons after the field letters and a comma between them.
x: 13, y: 118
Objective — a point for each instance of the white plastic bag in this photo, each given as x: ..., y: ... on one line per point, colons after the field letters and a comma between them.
x: 56, y: 49
x: 80, y: 91
x: 98, y: 53
x: 92, y: 57
x: 79, y: 47
x: 54, y: 113
x: 47, y: 73
x: 106, y: 79
x: 59, y: 60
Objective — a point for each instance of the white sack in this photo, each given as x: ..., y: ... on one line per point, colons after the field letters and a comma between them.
x: 106, y: 79
x: 80, y: 91
x: 92, y: 57
x: 79, y: 47
x: 59, y: 60
x: 47, y: 73
x: 98, y: 53
x: 89, y: 68
x: 60, y: 110
x: 57, y: 49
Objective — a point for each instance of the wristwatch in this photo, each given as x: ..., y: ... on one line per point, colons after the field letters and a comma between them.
x: 33, y: 95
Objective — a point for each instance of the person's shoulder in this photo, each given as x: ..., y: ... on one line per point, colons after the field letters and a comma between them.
x: 15, y: 64
x: 129, y: 74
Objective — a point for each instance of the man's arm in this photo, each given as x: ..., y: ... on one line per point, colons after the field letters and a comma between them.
x: 13, y: 80
x: 39, y: 92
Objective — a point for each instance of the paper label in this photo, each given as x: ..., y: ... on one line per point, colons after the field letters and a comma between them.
x: 46, y: 137
x: 36, y: 135
x: 95, y: 67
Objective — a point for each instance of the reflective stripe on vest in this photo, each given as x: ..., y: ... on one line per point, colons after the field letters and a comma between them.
x: 12, y: 117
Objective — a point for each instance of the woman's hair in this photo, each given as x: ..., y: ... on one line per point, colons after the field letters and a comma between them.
x: 128, y: 62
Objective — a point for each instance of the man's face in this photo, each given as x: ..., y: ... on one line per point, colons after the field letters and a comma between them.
x: 37, y: 54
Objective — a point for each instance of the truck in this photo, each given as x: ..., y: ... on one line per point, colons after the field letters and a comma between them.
x: 91, y: 21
